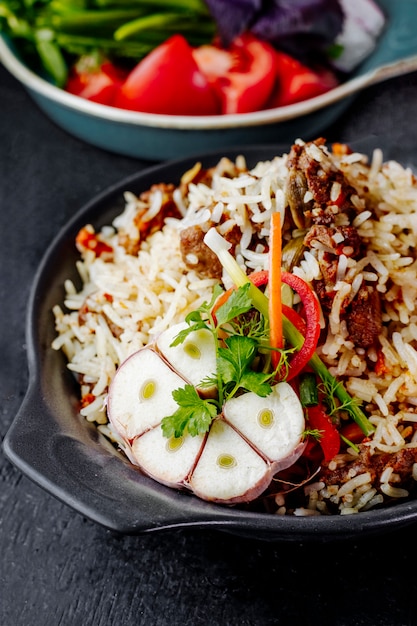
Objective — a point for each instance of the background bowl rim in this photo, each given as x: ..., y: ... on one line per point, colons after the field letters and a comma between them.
x: 41, y: 86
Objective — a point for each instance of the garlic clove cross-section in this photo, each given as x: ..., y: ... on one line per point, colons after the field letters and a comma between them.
x: 229, y: 470
x: 194, y: 358
x: 140, y: 394
x: 169, y: 461
x: 274, y: 424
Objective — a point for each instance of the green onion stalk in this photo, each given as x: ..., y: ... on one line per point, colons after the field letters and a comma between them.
x: 220, y: 247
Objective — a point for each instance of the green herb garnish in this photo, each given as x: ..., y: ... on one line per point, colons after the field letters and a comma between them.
x: 239, y: 342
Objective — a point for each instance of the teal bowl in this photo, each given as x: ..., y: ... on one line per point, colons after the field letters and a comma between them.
x: 161, y: 137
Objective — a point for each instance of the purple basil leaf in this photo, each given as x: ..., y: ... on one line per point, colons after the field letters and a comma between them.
x: 233, y: 17
x: 302, y: 27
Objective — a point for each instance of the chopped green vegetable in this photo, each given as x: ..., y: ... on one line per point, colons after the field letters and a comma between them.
x: 308, y: 389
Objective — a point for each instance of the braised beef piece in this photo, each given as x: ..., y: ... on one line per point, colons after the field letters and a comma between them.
x: 363, y: 317
x: 306, y: 174
x: 145, y: 228
x: 351, y: 246
x: 320, y: 234
x: 197, y: 255
x: 401, y: 462
x: 325, y: 296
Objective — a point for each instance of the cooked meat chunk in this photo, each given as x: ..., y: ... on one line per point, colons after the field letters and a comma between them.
x: 197, y: 255
x: 329, y: 191
x: 351, y: 245
x: 132, y: 240
x: 339, y: 239
x: 320, y: 234
x: 363, y: 318
x: 324, y: 294
x: 401, y: 463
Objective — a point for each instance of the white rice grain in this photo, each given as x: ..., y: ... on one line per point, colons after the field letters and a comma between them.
x: 354, y: 483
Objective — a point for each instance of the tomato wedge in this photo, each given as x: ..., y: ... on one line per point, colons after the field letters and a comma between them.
x: 98, y: 82
x: 243, y: 75
x: 329, y: 435
x: 353, y: 432
x: 297, y: 82
x: 168, y: 81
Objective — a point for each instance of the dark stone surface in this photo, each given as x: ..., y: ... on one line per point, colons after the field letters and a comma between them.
x: 57, y: 568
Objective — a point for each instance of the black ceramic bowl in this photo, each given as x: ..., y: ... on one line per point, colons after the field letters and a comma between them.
x: 55, y: 447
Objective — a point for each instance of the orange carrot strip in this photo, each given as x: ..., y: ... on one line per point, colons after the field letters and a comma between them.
x: 275, y: 302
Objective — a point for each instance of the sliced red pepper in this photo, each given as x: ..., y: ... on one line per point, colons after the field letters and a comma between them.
x: 295, y: 319
x: 88, y: 240
x: 87, y: 399
x: 312, y: 316
x: 329, y: 435
x: 297, y: 82
x: 243, y: 74
x: 352, y: 432
x: 259, y: 278
x: 313, y: 451
x: 380, y: 365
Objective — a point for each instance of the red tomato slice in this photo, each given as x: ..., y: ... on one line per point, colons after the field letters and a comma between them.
x: 297, y: 82
x: 353, y: 432
x: 95, y: 82
x: 168, y: 81
x: 329, y: 435
x: 243, y: 75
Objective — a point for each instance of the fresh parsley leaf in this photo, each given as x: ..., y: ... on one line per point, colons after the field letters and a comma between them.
x: 193, y: 416
x: 183, y: 334
x: 234, y: 366
x: 256, y: 382
x: 194, y: 316
x: 200, y: 318
x: 204, y: 311
x: 237, y: 303
x: 236, y: 358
